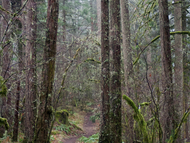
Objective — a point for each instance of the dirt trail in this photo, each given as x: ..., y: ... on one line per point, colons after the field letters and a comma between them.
x: 88, y: 128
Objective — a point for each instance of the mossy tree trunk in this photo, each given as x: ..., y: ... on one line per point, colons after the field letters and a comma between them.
x: 115, y: 100
x: 45, y: 108
x: 168, y: 122
x: 20, y: 65
x: 105, y: 73
x: 16, y: 4
x: 30, y: 57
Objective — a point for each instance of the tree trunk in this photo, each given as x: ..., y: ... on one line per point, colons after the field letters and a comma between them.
x: 186, y: 71
x: 168, y: 115
x: 125, y: 22
x: 115, y: 112
x: 20, y: 65
x: 6, y: 110
x: 30, y: 97
x: 178, y: 70
x: 105, y: 126
x: 45, y: 107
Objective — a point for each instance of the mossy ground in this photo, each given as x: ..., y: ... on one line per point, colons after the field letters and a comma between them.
x: 75, y: 128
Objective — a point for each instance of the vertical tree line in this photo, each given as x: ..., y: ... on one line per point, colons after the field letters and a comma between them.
x: 56, y: 53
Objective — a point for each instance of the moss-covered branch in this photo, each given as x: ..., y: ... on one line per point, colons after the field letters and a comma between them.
x: 3, y: 88
x: 184, y: 118
x: 156, y: 38
x: 139, y: 118
x: 4, y: 10
x: 92, y: 60
x: 3, y: 121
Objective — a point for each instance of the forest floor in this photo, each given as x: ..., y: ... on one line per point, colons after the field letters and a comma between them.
x: 89, y: 129
x: 71, y: 134
x: 80, y: 130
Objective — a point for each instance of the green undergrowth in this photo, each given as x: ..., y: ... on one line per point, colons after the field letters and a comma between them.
x: 74, y: 127
x: 92, y: 139
x: 96, y: 115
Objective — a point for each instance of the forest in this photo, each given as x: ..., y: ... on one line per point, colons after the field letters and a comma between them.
x: 94, y: 71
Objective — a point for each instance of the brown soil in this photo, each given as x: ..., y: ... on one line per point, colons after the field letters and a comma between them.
x: 88, y: 127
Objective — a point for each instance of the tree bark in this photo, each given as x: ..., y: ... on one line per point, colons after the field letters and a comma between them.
x: 125, y: 23
x: 45, y: 107
x: 30, y: 96
x: 115, y: 112
x: 168, y: 115
x: 185, y: 128
x: 105, y: 126
x: 178, y: 70
x: 20, y: 65
x: 6, y: 112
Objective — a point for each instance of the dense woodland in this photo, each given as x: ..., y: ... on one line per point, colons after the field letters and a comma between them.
x: 125, y: 64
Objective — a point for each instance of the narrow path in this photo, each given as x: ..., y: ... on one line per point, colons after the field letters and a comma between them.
x: 88, y: 128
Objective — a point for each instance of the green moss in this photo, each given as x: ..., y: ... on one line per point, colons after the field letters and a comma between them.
x: 50, y: 110
x: 62, y: 117
x: 3, y: 121
x: 174, y: 137
x: 131, y: 103
x: 139, y: 118
x: 3, y: 88
x: 92, y: 60
x: 55, y: 132
x: 144, y: 104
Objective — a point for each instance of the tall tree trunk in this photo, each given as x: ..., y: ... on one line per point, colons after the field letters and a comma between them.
x: 105, y: 126
x: 6, y: 110
x: 64, y: 23
x: 20, y: 65
x: 186, y: 71
x: 30, y: 97
x: 115, y: 112
x: 168, y: 123
x: 178, y: 70
x: 45, y: 107
x: 125, y: 23
x: 15, y: 5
